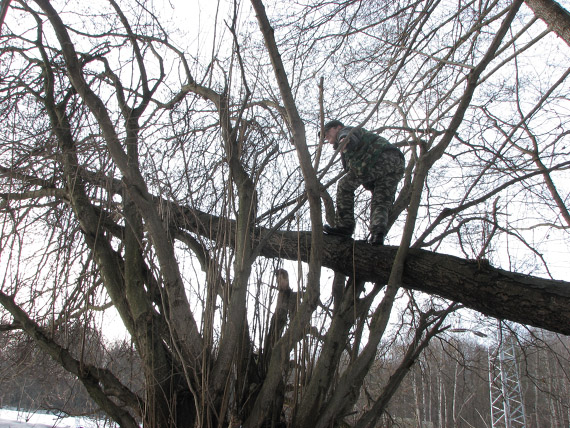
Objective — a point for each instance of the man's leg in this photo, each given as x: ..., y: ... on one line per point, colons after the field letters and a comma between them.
x: 344, y: 218
x: 388, y: 174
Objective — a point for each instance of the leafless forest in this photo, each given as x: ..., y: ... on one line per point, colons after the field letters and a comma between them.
x: 447, y: 387
x: 162, y: 178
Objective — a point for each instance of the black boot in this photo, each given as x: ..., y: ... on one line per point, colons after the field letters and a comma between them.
x: 338, y: 231
x: 376, y: 239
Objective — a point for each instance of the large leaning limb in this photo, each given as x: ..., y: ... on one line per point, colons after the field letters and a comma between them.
x: 526, y: 299
x: 556, y: 17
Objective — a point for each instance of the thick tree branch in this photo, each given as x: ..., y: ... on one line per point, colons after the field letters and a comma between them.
x: 495, y: 292
x: 525, y: 299
x: 556, y: 17
x: 419, y: 343
x: 283, y: 346
x: 181, y: 319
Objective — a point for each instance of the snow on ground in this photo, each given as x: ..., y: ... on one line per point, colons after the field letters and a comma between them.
x: 10, y: 418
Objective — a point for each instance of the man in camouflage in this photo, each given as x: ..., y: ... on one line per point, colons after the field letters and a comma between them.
x: 373, y: 162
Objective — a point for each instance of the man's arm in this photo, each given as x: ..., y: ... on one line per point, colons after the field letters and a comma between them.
x: 354, y: 136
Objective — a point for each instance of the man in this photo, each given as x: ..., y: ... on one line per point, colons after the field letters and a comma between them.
x: 373, y: 162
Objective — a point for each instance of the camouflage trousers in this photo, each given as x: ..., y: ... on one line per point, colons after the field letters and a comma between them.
x: 383, y: 180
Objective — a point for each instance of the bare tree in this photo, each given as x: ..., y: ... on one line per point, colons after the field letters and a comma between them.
x: 184, y: 192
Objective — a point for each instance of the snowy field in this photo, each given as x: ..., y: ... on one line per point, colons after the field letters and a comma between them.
x: 20, y: 419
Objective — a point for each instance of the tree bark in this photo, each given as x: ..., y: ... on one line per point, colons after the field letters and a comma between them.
x: 522, y: 298
x: 495, y: 292
x: 556, y: 17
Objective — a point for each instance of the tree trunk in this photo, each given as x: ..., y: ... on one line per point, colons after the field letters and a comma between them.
x: 525, y: 299
x: 495, y: 292
x: 556, y: 17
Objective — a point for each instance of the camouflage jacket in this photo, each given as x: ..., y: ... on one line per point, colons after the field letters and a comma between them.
x: 363, y: 150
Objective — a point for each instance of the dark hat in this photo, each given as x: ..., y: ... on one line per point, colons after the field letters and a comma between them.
x: 332, y: 124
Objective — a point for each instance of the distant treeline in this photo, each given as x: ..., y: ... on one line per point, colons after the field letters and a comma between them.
x: 31, y: 380
x: 447, y: 387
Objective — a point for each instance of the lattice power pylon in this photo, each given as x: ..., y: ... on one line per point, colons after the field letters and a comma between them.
x: 507, y: 407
